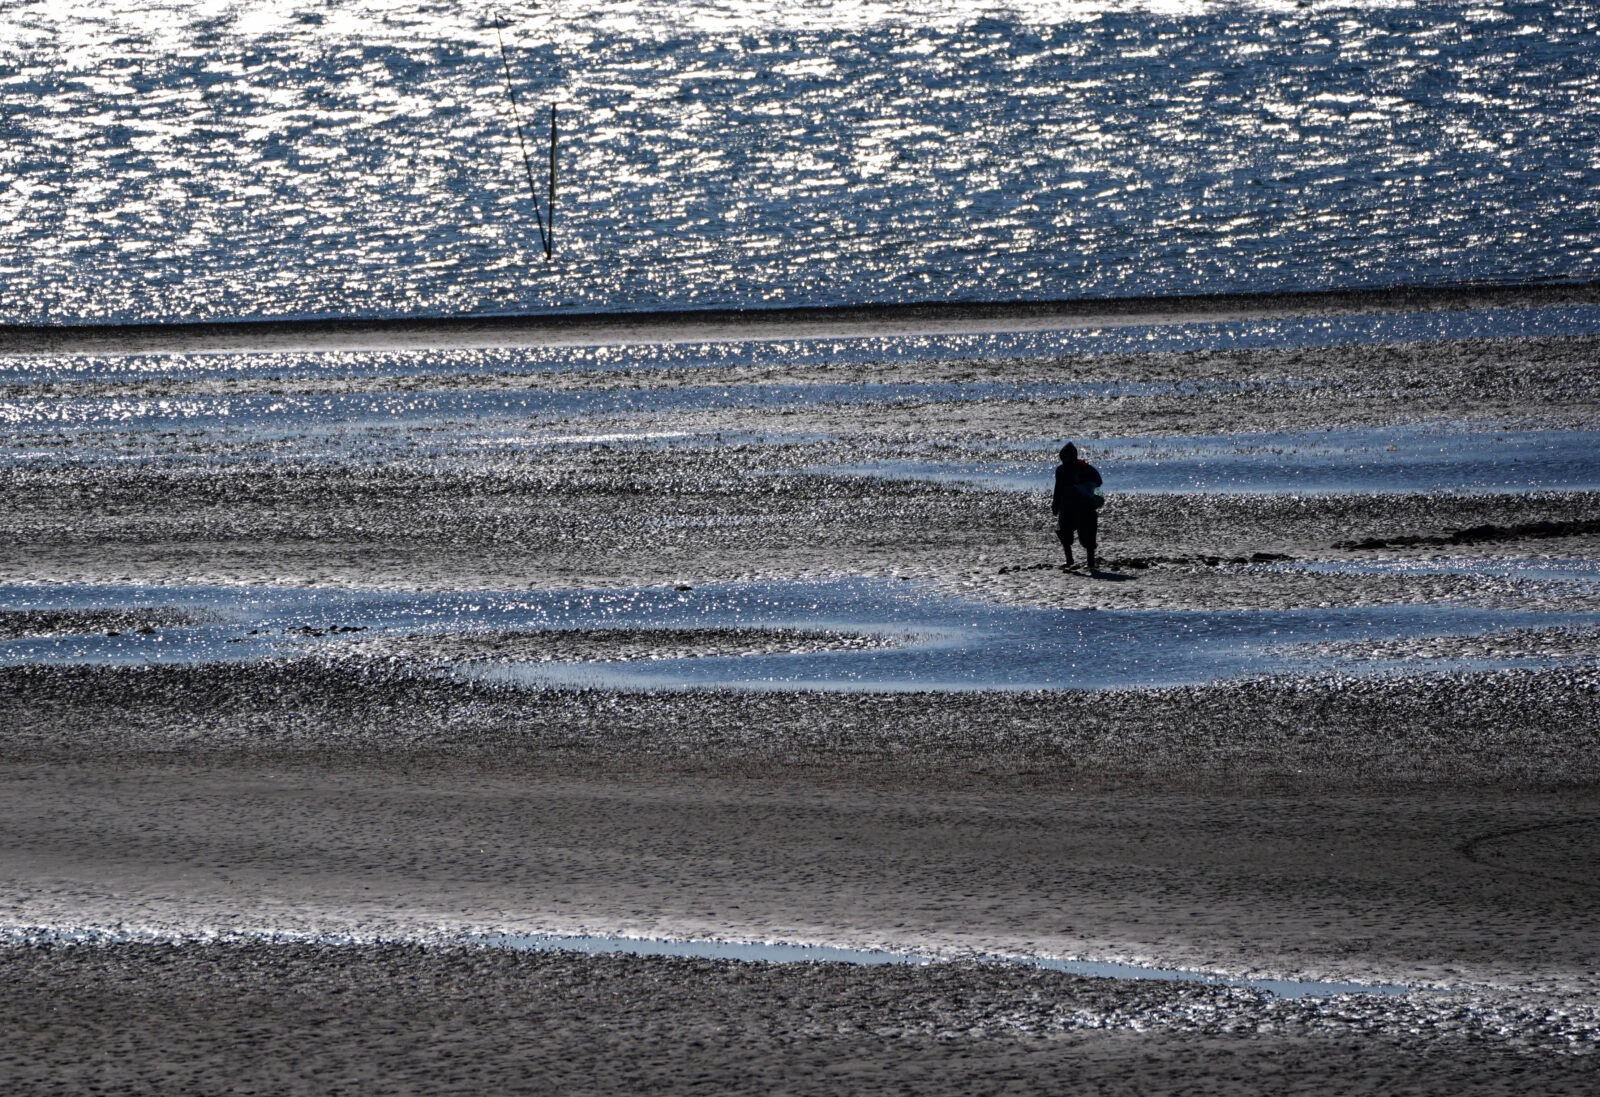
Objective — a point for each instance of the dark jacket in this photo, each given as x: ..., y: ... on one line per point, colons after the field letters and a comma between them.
x: 1075, y: 484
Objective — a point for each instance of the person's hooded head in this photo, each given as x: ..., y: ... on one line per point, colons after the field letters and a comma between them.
x: 1069, y: 453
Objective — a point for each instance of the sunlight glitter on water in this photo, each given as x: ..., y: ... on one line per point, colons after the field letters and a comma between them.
x: 1421, y: 458
x: 335, y: 426
x: 940, y: 643
x: 196, y: 160
x: 1500, y: 323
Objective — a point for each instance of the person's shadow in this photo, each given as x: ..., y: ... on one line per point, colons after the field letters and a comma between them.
x: 1098, y: 573
x: 1110, y: 576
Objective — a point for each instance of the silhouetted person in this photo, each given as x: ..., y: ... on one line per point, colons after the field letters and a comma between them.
x: 1075, y: 503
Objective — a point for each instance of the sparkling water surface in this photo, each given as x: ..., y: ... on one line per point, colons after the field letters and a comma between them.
x: 452, y: 425
x: 325, y: 365
x: 341, y: 426
x: 943, y: 643
x: 1433, y: 458
x: 199, y: 159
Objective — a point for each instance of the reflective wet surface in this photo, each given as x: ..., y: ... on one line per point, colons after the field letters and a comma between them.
x: 1422, y: 458
x: 767, y: 952
x: 343, y: 406
x: 1500, y: 323
x: 942, y: 643
x: 339, y: 425
x: 770, y: 952
x: 162, y: 159
x: 1586, y: 572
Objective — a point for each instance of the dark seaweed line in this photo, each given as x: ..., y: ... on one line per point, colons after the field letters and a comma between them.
x: 697, y: 325
x: 1474, y: 535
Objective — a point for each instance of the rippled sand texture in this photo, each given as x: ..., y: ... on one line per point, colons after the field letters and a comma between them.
x: 1439, y: 832
x: 166, y: 160
x: 465, y: 470
x: 235, y: 1015
x: 1430, y: 829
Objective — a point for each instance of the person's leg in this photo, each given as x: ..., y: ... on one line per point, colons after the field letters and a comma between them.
x: 1089, y: 535
x: 1064, y: 535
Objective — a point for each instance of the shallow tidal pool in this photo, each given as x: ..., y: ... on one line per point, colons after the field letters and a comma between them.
x: 932, y: 641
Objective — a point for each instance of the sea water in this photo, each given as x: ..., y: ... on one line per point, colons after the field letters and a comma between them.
x: 167, y: 159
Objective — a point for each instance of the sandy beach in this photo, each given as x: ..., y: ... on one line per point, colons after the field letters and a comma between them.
x: 312, y: 1019
x: 658, y: 326
x: 529, y: 564
x: 1265, y: 830
x: 621, y: 511
x: 267, y: 862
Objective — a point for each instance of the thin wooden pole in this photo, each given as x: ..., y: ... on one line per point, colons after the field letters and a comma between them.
x: 550, y: 202
x: 533, y: 188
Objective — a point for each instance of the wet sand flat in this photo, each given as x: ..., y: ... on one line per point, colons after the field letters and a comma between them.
x: 1431, y: 829
x: 1246, y: 828
x: 391, y: 585
x: 168, y: 507
x: 604, y: 528
x: 712, y: 325
x: 1439, y: 835
x: 1311, y: 884
x: 293, y: 1018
